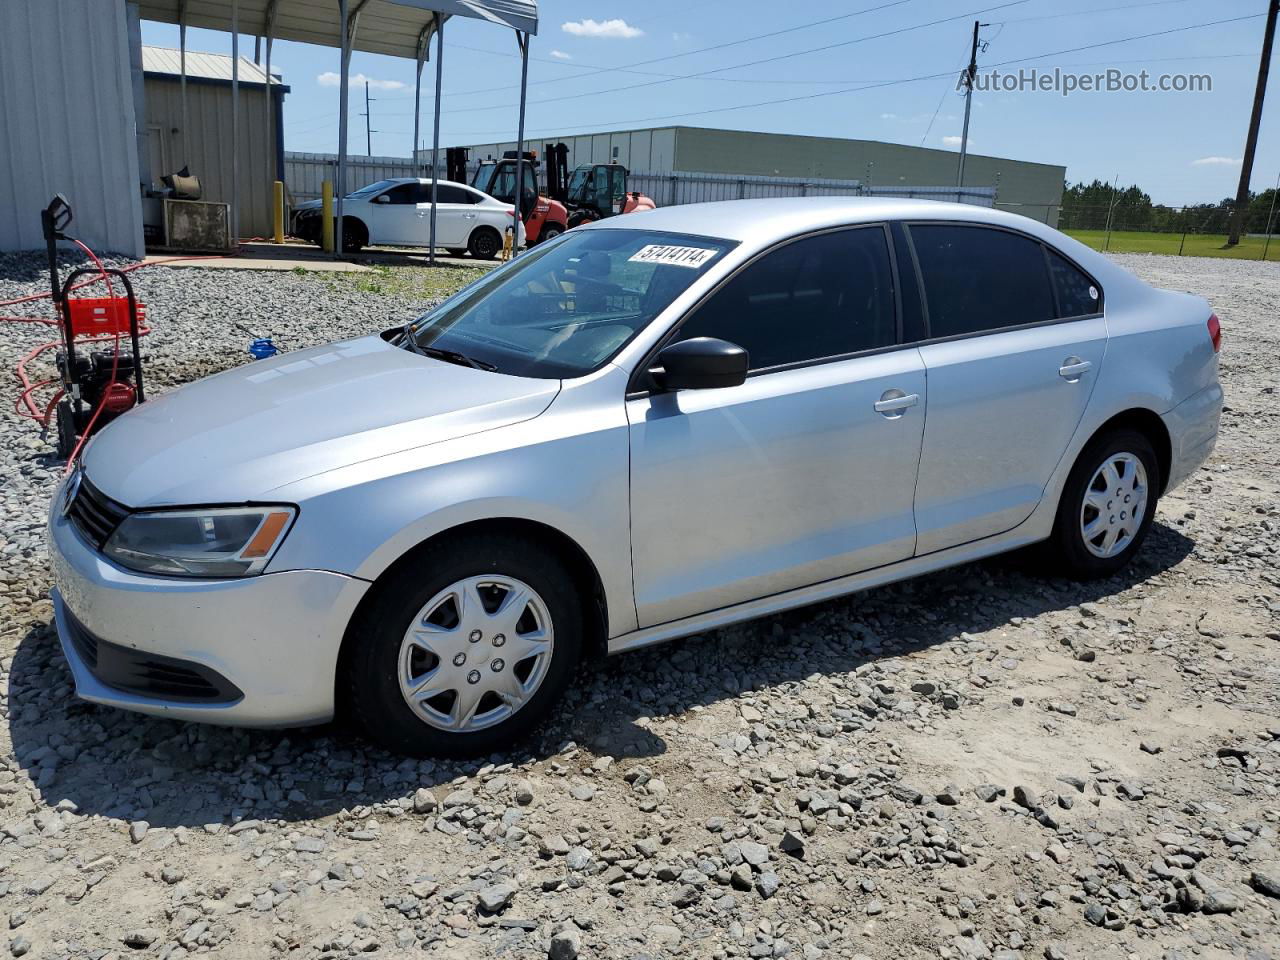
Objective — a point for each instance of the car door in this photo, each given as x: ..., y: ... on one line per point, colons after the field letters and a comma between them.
x: 1015, y: 340
x: 454, y: 214
x: 806, y: 471
x: 392, y: 216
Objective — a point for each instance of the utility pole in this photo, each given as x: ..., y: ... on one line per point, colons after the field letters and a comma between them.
x: 970, y: 72
x: 368, y: 133
x: 1255, y: 120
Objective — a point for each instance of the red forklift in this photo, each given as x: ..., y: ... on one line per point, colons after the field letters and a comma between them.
x: 591, y: 192
x: 544, y: 218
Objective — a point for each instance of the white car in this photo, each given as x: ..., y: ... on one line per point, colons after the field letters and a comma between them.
x: 397, y: 213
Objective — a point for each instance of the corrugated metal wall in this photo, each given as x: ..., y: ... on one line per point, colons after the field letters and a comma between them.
x: 653, y: 151
x: 67, y: 122
x: 304, y: 172
x: 207, y: 147
x: 1017, y: 183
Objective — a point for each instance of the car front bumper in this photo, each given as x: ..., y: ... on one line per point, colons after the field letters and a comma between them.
x: 265, y: 647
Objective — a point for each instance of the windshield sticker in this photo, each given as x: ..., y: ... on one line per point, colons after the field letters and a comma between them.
x: 693, y: 257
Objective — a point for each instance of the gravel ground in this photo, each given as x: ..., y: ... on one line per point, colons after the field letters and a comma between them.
x: 977, y: 763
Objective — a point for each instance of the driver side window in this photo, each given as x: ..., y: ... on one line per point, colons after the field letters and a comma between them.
x: 405, y: 193
x: 817, y: 297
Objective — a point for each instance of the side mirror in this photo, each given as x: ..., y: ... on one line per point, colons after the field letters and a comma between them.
x: 382, y: 198
x: 702, y: 363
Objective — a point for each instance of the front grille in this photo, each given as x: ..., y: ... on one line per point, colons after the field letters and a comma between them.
x: 149, y: 674
x: 95, y: 514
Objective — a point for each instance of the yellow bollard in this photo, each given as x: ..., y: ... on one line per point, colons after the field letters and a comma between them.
x: 278, y: 211
x: 326, y: 216
x: 507, y: 246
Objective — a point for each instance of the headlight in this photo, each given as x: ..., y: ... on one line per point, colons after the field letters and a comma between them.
x: 215, y: 542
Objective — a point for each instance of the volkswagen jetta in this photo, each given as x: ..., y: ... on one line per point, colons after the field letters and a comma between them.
x: 647, y: 428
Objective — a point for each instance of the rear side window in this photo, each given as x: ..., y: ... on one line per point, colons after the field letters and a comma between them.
x: 820, y: 296
x: 977, y: 279
x: 448, y: 193
x: 1078, y: 296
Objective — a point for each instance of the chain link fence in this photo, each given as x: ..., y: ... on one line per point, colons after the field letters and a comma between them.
x: 1145, y: 227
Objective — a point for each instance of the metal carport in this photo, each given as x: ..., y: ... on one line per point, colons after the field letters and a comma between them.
x: 398, y: 28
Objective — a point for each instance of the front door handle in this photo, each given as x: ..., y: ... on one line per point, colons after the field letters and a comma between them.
x: 1073, y: 368
x: 893, y: 402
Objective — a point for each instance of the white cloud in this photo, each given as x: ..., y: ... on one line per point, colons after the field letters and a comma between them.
x: 560, y: 55
x: 681, y: 37
x: 952, y: 141
x: 331, y: 79
x: 1215, y: 162
x: 602, y: 28
x: 888, y: 116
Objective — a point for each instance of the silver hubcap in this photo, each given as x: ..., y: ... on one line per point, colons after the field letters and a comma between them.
x: 1114, y: 504
x: 475, y: 653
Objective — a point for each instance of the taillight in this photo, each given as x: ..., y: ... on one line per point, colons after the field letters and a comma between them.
x: 1215, y: 332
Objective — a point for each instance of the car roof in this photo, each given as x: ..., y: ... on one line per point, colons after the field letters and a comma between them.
x: 424, y: 180
x: 777, y: 217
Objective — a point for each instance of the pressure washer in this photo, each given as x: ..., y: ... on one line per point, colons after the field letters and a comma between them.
x: 97, y: 385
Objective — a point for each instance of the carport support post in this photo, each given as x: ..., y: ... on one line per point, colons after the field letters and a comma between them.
x: 435, y: 137
x: 522, y: 40
x: 346, y: 29
x: 272, y: 173
x: 424, y: 41
x: 235, y: 123
x: 182, y: 81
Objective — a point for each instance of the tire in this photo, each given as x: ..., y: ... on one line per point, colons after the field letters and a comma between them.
x: 549, y: 231
x: 354, y: 235
x: 456, y: 251
x: 1069, y: 550
x: 485, y: 243
x: 383, y: 661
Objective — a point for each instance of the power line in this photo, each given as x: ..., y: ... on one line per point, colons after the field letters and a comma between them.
x: 690, y: 53
x: 753, y: 63
x: 899, y: 82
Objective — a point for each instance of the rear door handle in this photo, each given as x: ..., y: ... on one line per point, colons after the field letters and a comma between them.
x: 1073, y: 368
x: 893, y: 402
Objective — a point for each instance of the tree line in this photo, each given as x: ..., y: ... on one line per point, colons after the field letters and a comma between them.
x: 1086, y: 206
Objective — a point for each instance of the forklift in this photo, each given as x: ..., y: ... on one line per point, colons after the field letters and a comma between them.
x: 543, y: 217
x: 593, y: 191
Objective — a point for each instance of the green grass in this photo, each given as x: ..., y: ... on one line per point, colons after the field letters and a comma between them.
x: 1196, y: 245
x: 419, y: 283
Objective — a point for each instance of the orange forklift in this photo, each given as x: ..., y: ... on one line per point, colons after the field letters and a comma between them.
x: 591, y: 192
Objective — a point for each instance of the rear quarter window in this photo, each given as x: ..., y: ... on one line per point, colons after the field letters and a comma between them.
x: 1078, y: 295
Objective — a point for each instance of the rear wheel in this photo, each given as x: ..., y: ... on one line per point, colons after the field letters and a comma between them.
x: 485, y: 243
x: 1107, y: 506
x: 467, y: 649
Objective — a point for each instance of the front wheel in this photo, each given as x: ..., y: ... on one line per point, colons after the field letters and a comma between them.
x: 1107, y: 506
x: 466, y: 649
x: 549, y: 231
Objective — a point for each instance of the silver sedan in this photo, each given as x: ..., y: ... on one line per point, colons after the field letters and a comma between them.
x: 650, y: 427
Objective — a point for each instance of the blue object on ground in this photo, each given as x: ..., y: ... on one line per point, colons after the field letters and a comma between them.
x: 262, y: 348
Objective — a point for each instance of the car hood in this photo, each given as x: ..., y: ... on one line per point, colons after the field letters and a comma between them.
x: 237, y: 436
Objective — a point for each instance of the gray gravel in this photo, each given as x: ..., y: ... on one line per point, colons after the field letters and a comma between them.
x: 975, y: 764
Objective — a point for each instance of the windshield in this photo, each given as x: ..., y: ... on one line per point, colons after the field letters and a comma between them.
x: 483, y: 176
x: 563, y: 309
x: 370, y: 189
x: 578, y: 182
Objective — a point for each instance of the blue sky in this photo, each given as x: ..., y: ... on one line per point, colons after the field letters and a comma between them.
x: 1181, y: 147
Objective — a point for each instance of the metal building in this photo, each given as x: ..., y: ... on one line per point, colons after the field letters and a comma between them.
x: 200, y: 140
x: 67, y: 122
x: 1033, y: 189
